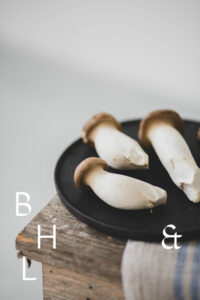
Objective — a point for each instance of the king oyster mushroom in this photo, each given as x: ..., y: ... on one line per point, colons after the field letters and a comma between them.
x: 119, y: 191
x: 163, y: 129
x: 116, y: 148
x: 198, y: 135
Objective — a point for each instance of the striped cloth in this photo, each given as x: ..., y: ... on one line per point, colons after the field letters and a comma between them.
x: 151, y: 272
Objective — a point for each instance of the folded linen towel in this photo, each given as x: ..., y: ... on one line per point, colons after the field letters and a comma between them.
x: 151, y: 272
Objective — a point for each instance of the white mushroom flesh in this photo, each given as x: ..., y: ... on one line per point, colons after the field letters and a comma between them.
x: 117, y: 149
x: 176, y: 157
x: 124, y: 192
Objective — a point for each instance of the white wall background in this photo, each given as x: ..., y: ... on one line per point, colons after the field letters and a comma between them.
x: 61, y: 62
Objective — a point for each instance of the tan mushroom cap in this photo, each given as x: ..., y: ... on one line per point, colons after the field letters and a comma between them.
x: 96, y: 120
x: 159, y: 116
x: 198, y: 134
x: 86, y: 165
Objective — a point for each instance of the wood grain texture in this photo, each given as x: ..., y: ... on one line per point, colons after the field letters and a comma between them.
x: 61, y: 284
x: 79, y: 248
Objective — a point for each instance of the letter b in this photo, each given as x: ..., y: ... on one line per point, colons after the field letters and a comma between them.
x: 25, y: 204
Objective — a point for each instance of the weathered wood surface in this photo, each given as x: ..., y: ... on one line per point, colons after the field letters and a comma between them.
x: 61, y: 284
x: 79, y: 248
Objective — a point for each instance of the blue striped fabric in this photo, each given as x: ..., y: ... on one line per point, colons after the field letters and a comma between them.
x: 178, y: 279
x: 176, y: 274
x: 195, y: 280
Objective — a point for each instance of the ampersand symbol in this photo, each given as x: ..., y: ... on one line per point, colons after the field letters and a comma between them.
x: 175, y: 236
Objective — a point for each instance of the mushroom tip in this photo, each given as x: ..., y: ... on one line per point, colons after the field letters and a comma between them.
x: 84, y: 166
x: 197, y: 199
x: 136, y: 159
x: 161, y: 200
x: 146, y: 162
x: 142, y: 165
x: 156, y: 117
x: 192, y: 193
x: 95, y: 121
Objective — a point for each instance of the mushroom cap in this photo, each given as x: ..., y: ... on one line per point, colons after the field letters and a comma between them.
x: 96, y: 120
x: 86, y: 165
x: 198, y: 134
x: 159, y: 116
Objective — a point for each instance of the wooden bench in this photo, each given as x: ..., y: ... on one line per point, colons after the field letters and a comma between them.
x: 85, y: 264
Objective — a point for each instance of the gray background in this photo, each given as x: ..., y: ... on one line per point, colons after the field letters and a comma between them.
x: 61, y: 62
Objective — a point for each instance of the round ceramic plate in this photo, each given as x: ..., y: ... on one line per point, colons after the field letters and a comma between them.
x: 141, y: 224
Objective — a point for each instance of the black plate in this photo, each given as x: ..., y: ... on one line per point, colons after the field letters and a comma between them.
x: 138, y: 225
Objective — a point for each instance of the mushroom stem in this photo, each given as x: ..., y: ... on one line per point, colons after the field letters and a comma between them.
x: 117, y: 149
x: 176, y: 157
x: 123, y: 192
x: 120, y: 151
